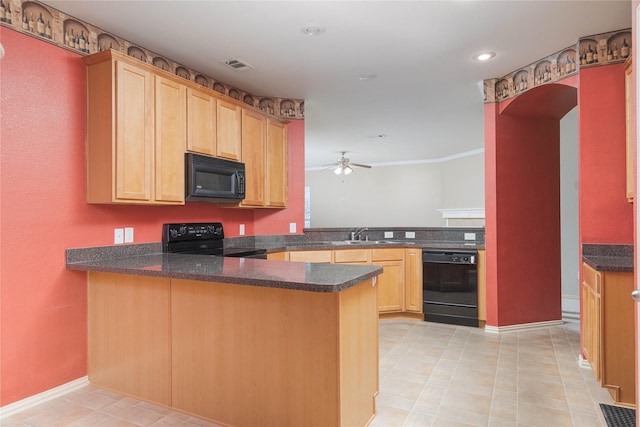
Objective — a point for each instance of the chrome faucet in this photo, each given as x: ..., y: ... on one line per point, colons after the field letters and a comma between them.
x: 357, y: 233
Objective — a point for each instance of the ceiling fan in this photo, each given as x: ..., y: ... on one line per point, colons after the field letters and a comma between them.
x: 344, y: 165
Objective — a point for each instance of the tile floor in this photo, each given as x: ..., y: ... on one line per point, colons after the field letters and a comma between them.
x: 430, y: 375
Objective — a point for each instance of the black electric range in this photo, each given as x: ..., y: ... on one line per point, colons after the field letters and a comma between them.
x: 202, y: 238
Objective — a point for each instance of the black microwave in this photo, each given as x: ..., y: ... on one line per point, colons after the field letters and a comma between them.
x: 209, y: 179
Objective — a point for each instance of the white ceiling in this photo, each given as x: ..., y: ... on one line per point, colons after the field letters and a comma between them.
x: 426, y: 98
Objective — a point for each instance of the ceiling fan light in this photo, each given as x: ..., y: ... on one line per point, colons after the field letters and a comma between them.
x: 338, y: 170
x: 347, y: 170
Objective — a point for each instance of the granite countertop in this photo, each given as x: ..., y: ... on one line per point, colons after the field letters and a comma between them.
x: 339, y: 244
x: 603, y: 257
x: 240, y: 271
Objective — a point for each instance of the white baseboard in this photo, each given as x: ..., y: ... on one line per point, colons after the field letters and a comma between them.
x: 570, y: 308
x: 583, y: 363
x: 45, y: 396
x: 521, y: 327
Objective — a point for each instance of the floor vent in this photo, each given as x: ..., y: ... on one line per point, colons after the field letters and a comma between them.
x: 238, y: 65
x: 616, y: 416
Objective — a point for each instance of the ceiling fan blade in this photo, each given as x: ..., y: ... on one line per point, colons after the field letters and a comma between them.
x: 360, y: 165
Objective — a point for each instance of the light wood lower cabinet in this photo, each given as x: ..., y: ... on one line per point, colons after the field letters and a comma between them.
x: 413, y: 280
x: 482, y: 287
x: 237, y: 355
x: 607, y: 331
x: 400, y: 284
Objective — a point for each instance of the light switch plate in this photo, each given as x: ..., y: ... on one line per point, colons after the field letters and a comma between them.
x: 410, y: 234
x: 242, y: 229
x: 118, y: 236
x: 469, y: 236
x: 292, y: 227
x: 128, y: 235
x: 388, y: 234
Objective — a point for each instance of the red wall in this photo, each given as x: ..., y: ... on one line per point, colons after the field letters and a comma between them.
x: 522, y: 189
x: 523, y: 221
x: 605, y: 214
x: 43, y: 212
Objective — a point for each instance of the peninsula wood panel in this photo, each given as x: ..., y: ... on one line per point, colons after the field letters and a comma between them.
x: 129, y: 335
x: 251, y: 356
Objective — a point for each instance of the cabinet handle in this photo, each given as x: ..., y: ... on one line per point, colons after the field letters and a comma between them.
x: 636, y: 295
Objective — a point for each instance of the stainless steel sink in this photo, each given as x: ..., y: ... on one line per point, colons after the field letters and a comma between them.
x: 364, y: 242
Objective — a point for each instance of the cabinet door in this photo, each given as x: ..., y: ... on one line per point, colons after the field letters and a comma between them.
x: 201, y: 132
x: 170, y: 138
x: 482, y: 286
x: 277, y: 164
x: 229, y: 133
x: 253, y: 155
x: 390, y: 286
x: 134, y: 132
x: 413, y: 280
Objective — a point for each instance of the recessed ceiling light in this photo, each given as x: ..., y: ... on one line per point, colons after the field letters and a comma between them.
x: 313, y: 29
x: 484, y: 56
x: 367, y: 76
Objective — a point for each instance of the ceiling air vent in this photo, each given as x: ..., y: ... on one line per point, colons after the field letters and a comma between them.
x: 238, y: 65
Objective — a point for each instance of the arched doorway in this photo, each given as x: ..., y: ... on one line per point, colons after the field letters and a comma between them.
x: 522, y: 192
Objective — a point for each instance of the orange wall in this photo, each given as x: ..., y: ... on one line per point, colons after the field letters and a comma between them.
x: 43, y: 212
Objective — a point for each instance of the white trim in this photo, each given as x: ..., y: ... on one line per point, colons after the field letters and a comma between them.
x: 571, y: 309
x: 45, y: 396
x: 462, y: 213
x: 415, y: 162
x: 521, y: 327
x: 583, y: 363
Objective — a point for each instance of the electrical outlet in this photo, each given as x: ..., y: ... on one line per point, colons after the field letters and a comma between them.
x: 469, y: 236
x: 118, y: 236
x: 292, y: 227
x: 388, y: 234
x: 410, y: 234
x: 242, y: 229
x: 128, y: 235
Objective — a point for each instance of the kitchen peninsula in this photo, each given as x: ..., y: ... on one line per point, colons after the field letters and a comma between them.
x: 242, y: 342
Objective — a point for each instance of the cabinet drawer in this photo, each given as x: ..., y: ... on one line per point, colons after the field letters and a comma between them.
x: 592, y: 278
x: 310, y: 256
x: 351, y: 255
x: 387, y: 254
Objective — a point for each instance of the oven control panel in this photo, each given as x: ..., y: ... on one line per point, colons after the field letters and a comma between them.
x: 192, y: 231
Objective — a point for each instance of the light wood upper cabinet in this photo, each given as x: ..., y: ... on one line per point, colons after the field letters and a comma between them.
x: 201, y: 122
x: 628, y: 79
x: 170, y: 99
x: 229, y: 131
x: 135, y: 127
x: 277, y: 164
x: 254, y: 136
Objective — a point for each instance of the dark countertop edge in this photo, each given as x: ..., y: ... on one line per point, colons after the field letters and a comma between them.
x: 621, y: 264
x: 102, y: 267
